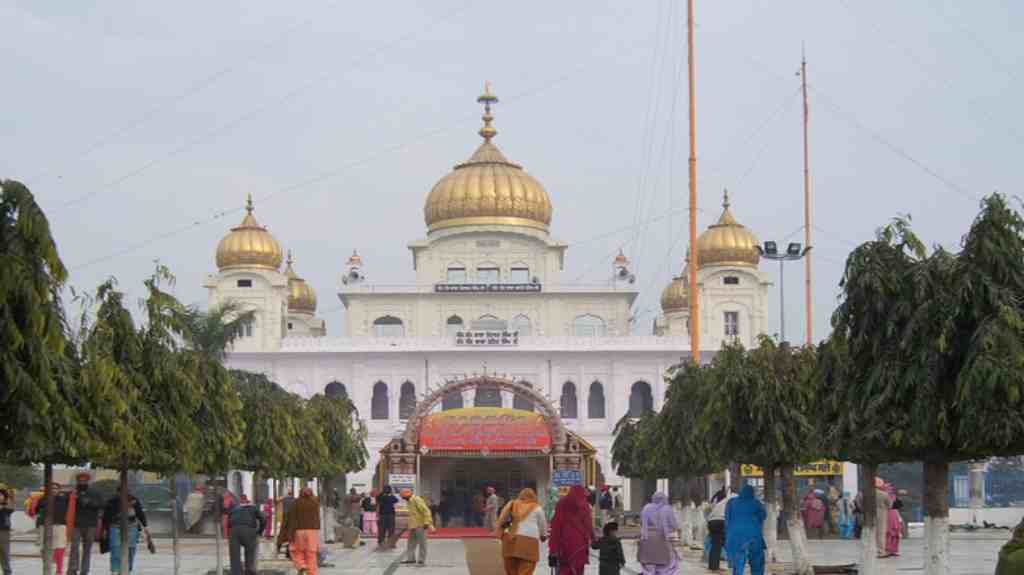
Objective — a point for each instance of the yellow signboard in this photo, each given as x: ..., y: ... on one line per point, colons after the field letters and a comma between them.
x: 823, y: 467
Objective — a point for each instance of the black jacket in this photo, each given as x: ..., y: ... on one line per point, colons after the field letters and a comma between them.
x: 386, y: 504
x: 247, y: 515
x: 609, y: 551
x: 112, y: 512
x: 60, y: 509
x: 88, y: 506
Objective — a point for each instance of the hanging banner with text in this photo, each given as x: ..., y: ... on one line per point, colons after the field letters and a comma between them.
x: 823, y: 467
x: 485, y: 429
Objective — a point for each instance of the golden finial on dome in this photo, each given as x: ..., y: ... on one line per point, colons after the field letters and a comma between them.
x: 725, y: 198
x: 727, y: 242
x: 248, y: 203
x: 487, y: 98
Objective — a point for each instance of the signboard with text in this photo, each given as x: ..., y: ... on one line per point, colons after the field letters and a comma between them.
x: 487, y: 288
x: 402, y: 480
x: 567, y: 477
x: 485, y: 428
x: 823, y: 467
x: 487, y: 338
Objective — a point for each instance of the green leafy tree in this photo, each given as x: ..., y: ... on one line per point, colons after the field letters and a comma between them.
x: 762, y: 412
x: 927, y: 355
x: 40, y: 419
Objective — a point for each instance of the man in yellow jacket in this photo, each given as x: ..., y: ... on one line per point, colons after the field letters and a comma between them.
x: 420, y: 521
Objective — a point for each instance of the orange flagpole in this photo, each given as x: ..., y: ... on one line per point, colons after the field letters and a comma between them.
x: 693, y: 263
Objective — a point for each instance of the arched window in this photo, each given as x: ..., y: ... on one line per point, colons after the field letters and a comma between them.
x: 456, y: 273
x: 336, y: 389
x: 522, y: 324
x: 595, y: 401
x: 519, y: 273
x: 452, y: 401
x: 388, y: 326
x: 487, y: 396
x: 379, y: 401
x: 407, y: 400
x: 640, y: 399
x: 454, y: 325
x: 568, y: 402
x: 520, y: 401
x: 488, y: 273
x: 588, y: 326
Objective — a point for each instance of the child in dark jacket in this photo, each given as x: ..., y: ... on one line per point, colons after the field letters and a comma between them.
x: 611, y: 559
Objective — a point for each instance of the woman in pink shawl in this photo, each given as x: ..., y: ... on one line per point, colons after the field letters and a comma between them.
x: 571, y: 532
x: 894, y: 523
x: 657, y: 523
x: 268, y: 512
x: 813, y: 512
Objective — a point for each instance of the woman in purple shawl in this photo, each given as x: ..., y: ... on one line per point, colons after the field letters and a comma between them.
x: 658, y: 522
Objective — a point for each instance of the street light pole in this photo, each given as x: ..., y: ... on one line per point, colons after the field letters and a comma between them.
x: 794, y: 251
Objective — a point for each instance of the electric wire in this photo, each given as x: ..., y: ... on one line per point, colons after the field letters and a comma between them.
x: 257, y: 110
x: 334, y: 172
x: 171, y: 101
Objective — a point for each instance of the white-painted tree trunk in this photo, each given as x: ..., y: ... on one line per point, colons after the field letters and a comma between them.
x: 685, y: 526
x: 798, y: 543
x: 936, y: 546
x: 771, y: 533
x: 868, y: 550
x: 702, y: 528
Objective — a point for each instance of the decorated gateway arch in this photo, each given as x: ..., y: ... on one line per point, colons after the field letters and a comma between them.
x: 456, y: 452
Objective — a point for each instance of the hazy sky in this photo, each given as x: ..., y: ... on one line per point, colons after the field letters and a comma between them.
x: 131, y: 121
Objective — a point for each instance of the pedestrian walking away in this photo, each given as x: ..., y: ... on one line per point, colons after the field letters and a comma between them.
x: 386, y: 518
x: 657, y: 524
x: 6, y: 510
x: 301, y: 531
x: 84, y: 509
x: 421, y: 520
x: 135, y: 518
x: 571, y: 533
x: 716, y: 529
x: 246, y: 522
x: 59, y: 538
x: 491, y: 509
x: 521, y: 528
x: 611, y: 558
x: 744, y: 532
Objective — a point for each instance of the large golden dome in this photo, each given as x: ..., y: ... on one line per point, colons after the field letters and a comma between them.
x: 249, y: 245
x: 675, y: 296
x: 727, y: 242
x: 487, y: 189
x: 301, y: 297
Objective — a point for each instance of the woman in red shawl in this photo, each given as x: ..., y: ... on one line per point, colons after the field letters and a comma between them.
x: 571, y: 532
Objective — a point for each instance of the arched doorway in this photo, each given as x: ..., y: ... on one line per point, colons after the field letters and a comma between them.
x: 453, y: 453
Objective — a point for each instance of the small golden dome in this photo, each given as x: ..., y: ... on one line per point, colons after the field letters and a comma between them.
x: 675, y: 296
x: 487, y: 189
x: 249, y: 245
x: 727, y: 242
x: 301, y: 297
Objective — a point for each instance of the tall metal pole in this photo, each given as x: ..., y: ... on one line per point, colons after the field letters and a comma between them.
x: 694, y: 264
x: 782, y: 301
x: 807, y: 210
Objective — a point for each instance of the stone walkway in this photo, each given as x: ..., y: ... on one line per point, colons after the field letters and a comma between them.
x: 972, y: 554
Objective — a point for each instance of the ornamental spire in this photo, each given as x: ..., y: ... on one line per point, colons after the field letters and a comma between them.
x: 487, y: 98
x: 248, y: 203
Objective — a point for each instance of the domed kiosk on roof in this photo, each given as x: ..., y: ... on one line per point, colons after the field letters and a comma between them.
x: 249, y: 245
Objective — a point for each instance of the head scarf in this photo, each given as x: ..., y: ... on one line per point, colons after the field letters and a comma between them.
x: 520, y: 507
x: 657, y: 515
x: 573, y: 507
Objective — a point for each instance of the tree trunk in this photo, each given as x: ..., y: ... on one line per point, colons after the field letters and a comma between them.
x: 771, y: 532
x: 174, y: 523
x: 685, y: 523
x: 868, y: 545
x: 735, y: 479
x: 51, y: 499
x: 936, y: 517
x: 219, y: 514
x: 123, y: 525
x: 273, y: 512
x: 794, y: 523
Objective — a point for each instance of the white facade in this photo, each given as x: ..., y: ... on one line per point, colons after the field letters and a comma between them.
x: 488, y: 264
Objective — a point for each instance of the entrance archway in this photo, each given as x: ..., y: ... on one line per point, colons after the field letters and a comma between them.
x: 451, y: 454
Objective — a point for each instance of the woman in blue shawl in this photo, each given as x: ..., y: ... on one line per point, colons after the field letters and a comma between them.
x: 744, y: 521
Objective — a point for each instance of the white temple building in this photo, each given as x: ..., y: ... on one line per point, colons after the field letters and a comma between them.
x: 486, y: 296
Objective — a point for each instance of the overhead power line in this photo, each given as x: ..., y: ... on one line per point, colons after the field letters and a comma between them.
x: 259, y: 109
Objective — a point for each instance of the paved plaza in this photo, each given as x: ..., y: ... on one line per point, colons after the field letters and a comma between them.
x: 972, y: 554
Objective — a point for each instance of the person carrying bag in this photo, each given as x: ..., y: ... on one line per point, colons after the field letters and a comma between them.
x: 522, y: 526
